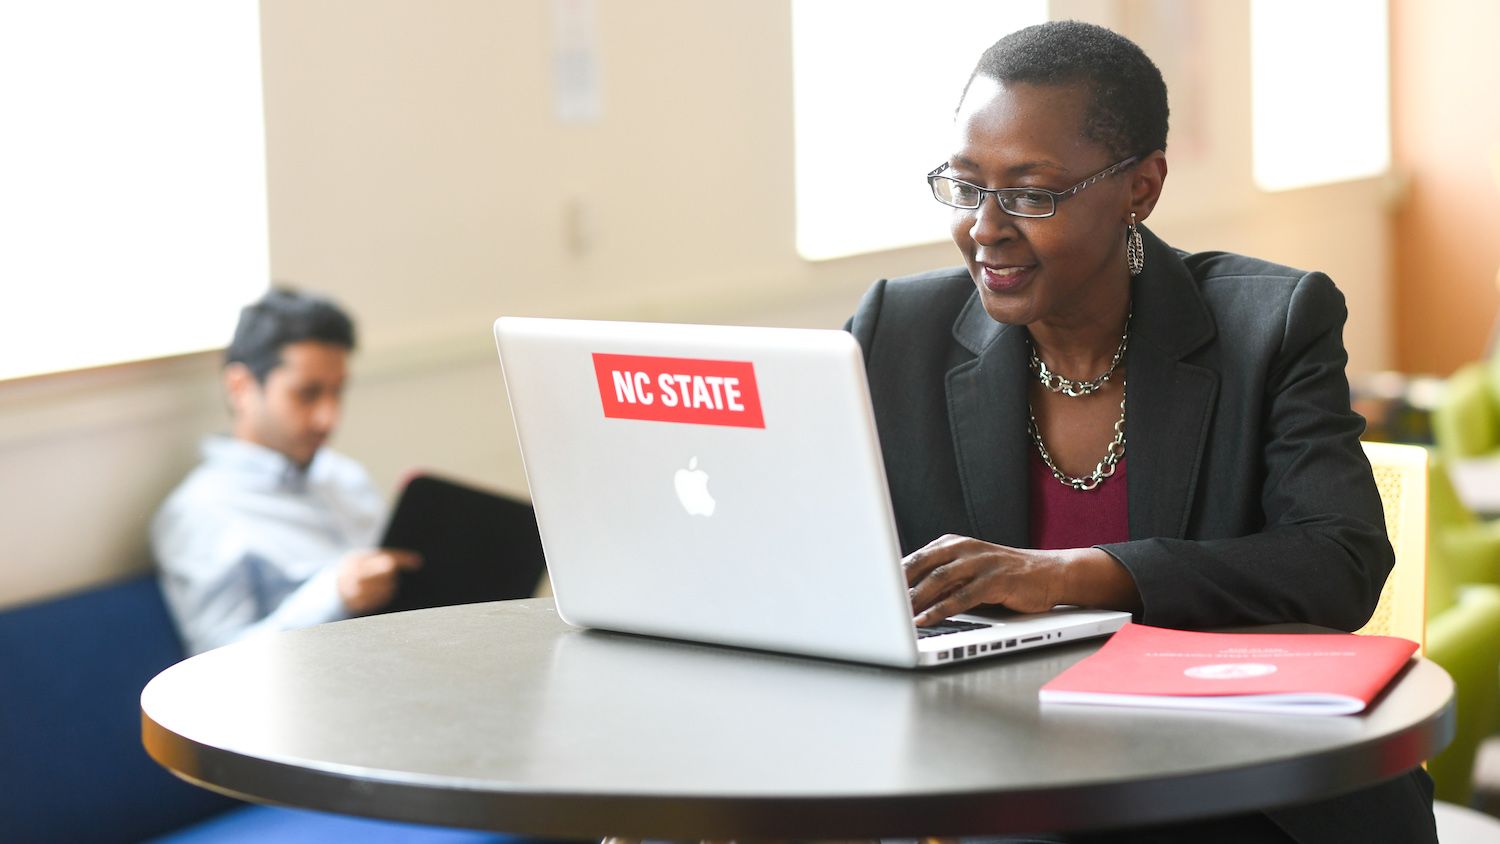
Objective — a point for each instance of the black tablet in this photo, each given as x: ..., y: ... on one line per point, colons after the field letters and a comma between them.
x: 475, y: 545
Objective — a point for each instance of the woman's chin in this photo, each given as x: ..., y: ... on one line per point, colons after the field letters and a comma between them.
x: 1010, y: 310
x: 1013, y: 306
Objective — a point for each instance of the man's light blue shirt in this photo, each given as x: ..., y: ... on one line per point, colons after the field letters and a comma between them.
x: 250, y: 542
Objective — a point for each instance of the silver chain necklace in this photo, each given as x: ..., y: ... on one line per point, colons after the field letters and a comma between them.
x: 1106, y: 467
x: 1058, y: 384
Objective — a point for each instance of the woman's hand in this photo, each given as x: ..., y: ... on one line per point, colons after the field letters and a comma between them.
x: 953, y: 574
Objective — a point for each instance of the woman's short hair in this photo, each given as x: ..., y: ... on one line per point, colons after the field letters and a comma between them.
x: 1127, y: 110
x: 280, y: 318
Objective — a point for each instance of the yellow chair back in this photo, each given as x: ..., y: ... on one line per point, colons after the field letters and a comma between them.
x: 1401, y: 474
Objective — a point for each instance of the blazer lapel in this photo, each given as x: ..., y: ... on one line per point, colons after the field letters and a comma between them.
x: 1169, y: 404
x: 1169, y: 407
x: 987, y: 409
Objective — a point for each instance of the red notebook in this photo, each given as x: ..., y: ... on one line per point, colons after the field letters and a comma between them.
x: 1317, y: 674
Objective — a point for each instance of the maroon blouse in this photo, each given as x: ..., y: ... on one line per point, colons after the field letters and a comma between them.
x: 1064, y: 517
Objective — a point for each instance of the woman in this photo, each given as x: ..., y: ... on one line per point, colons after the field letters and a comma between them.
x: 1083, y: 415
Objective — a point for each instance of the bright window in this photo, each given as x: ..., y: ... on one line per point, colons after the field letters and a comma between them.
x: 1320, y: 91
x: 875, y: 85
x: 132, y: 179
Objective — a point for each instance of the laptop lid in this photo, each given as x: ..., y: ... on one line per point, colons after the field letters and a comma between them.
x: 721, y: 484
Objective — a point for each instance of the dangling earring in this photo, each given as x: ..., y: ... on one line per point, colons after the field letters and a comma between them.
x: 1135, y: 253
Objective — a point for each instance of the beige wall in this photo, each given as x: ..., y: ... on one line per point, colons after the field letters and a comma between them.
x: 416, y: 174
x: 1446, y: 107
x: 84, y: 458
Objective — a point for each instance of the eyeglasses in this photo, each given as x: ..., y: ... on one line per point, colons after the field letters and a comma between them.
x: 1017, y: 202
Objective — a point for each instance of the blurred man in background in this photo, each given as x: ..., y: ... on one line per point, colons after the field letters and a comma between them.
x: 272, y: 531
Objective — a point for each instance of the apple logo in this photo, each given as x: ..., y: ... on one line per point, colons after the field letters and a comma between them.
x: 692, y: 489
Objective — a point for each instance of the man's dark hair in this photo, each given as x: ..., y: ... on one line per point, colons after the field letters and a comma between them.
x: 280, y: 318
x: 1127, y: 109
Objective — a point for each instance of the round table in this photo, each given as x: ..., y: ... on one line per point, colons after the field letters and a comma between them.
x: 500, y: 716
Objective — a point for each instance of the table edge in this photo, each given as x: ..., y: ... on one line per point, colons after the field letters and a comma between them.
x: 432, y: 800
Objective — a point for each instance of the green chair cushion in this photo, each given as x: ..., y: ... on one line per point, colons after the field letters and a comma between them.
x: 1465, y: 641
x: 1464, y: 423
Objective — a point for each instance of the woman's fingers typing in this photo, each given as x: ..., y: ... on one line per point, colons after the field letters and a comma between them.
x: 955, y: 573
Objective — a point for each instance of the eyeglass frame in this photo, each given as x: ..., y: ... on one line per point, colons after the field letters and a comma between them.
x: 1057, y: 196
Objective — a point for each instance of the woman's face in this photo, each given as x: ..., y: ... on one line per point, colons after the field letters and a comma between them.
x: 1067, y: 269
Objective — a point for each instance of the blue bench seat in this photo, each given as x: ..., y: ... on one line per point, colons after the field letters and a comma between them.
x: 72, y: 768
x: 298, y: 826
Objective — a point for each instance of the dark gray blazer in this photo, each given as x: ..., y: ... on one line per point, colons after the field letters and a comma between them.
x: 1250, y: 499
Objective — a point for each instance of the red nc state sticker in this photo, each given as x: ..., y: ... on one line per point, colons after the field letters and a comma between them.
x: 697, y: 392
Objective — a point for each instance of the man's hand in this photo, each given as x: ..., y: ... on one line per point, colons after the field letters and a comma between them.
x: 367, y: 577
x: 956, y: 573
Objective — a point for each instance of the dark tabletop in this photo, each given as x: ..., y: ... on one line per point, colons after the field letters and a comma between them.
x: 500, y: 716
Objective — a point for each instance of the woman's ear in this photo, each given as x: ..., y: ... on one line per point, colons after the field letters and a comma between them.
x: 1146, y: 180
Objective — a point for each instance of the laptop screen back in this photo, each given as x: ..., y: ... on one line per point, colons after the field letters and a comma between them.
x: 720, y: 484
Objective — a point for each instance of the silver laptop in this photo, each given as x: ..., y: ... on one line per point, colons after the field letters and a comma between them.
x: 725, y: 485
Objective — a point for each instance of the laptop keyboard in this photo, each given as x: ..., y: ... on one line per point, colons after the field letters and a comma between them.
x: 949, y: 626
